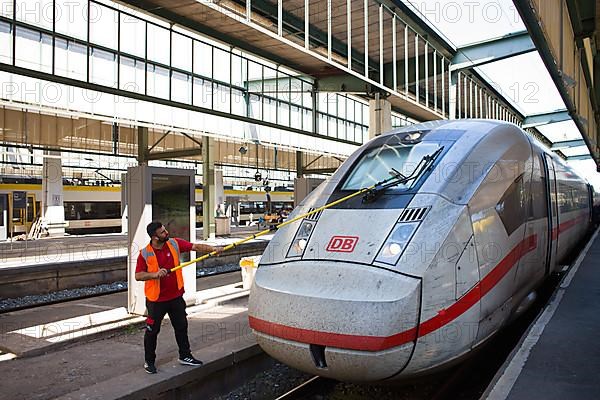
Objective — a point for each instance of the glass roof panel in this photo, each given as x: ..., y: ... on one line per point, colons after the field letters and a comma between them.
x: 525, y: 82
x: 575, y: 151
x: 457, y: 20
x: 560, y: 131
x: 587, y: 168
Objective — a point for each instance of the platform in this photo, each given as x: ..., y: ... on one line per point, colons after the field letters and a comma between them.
x: 559, y: 358
x: 91, y: 247
x: 50, y: 265
x: 108, y: 363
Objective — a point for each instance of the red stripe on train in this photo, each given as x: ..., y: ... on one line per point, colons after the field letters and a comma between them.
x: 378, y: 343
x: 568, y: 225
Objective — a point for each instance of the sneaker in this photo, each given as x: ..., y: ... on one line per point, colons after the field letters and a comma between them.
x: 189, y: 360
x: 149, y: 367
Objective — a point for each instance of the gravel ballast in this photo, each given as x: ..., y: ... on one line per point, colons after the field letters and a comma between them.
x: 8, y: 304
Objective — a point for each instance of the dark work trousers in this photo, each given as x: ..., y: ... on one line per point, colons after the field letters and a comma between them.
x: 156, y: 312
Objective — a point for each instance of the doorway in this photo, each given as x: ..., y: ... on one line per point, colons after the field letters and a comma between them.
x: 3, y: 216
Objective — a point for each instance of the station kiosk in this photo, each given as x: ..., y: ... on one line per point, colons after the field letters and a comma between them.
x: 165, y: 195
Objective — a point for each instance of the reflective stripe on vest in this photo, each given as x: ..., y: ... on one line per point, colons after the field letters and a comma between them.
x: 152, y: 286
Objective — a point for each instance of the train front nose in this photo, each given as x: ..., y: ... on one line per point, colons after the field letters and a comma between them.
x: 341, y: 320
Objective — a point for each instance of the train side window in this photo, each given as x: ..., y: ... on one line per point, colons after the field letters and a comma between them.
x: 538, y: 204
x: 92, y: 210
x: 565, y: 198
x: 512, y: 207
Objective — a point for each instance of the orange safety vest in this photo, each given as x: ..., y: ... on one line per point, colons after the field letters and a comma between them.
x: 152, y: 286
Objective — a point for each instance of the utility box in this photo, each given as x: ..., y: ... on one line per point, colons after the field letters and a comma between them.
x: 165, y: 195
x: 222, y: 226
x: 248, y: 266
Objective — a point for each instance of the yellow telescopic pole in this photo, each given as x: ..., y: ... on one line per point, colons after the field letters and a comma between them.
x: 261, y: 233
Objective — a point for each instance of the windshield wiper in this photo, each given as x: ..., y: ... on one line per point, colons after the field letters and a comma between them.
x: 398, y: 178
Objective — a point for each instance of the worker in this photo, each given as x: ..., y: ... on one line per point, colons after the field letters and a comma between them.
x: 164, y: 290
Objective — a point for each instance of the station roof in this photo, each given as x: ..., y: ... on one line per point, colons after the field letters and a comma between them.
x: 221, y: 19
x: 523, y: 80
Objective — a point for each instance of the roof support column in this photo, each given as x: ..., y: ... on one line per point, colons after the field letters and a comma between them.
x: 53, y: 210
x: 299, y: 166
x: 380, y: 116
x: 209, y: 192
x: 142, y: 145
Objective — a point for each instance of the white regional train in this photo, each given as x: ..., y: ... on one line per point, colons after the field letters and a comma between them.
x: 414, y: 276
x: 97, y: 209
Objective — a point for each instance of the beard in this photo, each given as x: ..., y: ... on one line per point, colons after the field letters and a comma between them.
x: 163, y: 240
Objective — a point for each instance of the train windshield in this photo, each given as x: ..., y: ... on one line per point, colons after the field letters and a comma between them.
x: 377, y: 163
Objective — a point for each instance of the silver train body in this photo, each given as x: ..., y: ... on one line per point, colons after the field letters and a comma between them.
x: 416, y: 278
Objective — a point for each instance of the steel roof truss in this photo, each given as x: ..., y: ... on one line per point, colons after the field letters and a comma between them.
x: 492, y: 50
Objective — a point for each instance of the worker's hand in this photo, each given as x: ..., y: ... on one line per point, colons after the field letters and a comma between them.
x: 218, y: 249
x: 161, y: 272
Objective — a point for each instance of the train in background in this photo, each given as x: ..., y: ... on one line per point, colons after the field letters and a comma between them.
x: 97, y: 209
x: 465, y: 220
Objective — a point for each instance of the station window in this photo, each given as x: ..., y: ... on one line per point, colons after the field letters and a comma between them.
x: 158, y: 81
x: 132, y: 77
x: 221, y: 99
x: 33, y: 50
x: 221, y: 58
x: 103, y: 26
x: 133, y: 35
x: 34, y: 12
x: 71, y: 18
x: 70, y: 59
x: 203, y: 60
x: 5, y: 43
x: 239, y: 71
x: 182, y: 52
x: 238, y: 105
x: 181, y: 85
x: 103, y: 67
x: 203, y: 93
x: 159, y: 44
x: 6, y: 8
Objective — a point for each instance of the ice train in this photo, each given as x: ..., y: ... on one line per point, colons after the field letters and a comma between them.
x: 412, y: 277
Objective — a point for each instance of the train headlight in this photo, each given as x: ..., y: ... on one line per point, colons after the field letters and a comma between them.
x: 305, y: 230
x: 302, y: 244
x: 394, y: 249
x: 301, y: 239
x: 396, y: 243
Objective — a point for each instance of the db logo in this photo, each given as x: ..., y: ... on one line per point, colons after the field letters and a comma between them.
x: 342, y: 244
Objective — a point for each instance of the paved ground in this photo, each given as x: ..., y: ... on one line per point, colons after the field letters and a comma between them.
x: 88, y: 363
x: 560, y: 357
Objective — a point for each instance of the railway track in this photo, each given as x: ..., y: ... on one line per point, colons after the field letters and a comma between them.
x: 18, y: 279
x: 312, y: 387
x: 467, y: 380
x: 98, y: 293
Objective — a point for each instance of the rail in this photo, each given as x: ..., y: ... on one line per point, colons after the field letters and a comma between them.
x: 314, y: 386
